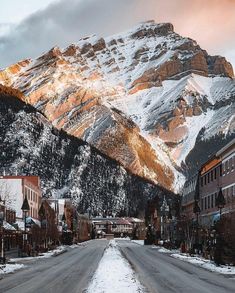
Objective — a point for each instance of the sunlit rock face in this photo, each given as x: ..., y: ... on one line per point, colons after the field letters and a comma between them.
x: 68, y: 167
x: 141, y: 97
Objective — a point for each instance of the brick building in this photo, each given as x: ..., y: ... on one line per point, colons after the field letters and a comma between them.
x: 216, y: 173
x: 14, y: 189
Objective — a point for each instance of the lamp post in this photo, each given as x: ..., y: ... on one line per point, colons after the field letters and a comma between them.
x: 197, y: 211
x: 220, y: 201
x: 25, y: 209
x: 2, y: 216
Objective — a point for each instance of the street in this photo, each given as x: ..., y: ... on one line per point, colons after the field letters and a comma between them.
x: 160, y: 273
x: 72, y: 272
x: 69, y: 272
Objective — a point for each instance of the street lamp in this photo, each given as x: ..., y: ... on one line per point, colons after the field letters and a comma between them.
x: 2, y: 216
x: 197, y: 211
x: 25, y: 209
x: 220, y: 201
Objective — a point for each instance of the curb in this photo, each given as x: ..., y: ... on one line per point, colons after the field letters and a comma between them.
x: 59, y: 253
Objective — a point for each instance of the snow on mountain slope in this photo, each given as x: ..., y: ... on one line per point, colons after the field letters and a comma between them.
x: 67, y: 166
x: 141, y: 97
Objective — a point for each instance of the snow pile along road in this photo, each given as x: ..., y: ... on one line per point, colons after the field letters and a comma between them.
x: 199, y: 261
x: 114, y: 274
x: 206, y: 264
x: 10, y: 268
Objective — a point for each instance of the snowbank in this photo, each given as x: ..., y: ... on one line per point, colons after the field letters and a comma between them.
x: 55, y: 252
x: 206, y: 264
x: 114, y: 274
x: 198, y: 261
x: 140, y: 242
x: 10, y: 268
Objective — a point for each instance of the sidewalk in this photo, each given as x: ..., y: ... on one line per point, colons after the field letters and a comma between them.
x: 198, y: 260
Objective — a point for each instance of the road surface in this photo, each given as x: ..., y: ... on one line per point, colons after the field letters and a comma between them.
x: 72, y: 272
x: 161, y: 273
x: 67, y: 273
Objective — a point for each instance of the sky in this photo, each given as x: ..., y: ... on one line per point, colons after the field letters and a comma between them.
x: 30, y: 27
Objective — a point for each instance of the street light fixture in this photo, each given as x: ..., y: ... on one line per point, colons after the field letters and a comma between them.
x: 220, y: 201
x: 25, y: 209
x: 2, y: 217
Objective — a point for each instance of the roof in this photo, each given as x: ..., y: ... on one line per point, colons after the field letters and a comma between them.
x: 226, y: 147
x: 8, y: 226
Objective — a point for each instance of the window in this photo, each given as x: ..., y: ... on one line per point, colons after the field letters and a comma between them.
x: 202, y: 181
x: 212, y: 200
x: 205, y: 179
x: 209, y: 202
x: 212, y: 175
x: 220, y: 169
x: 205, y: 203
x: 208, y: 177
x: 227, y: 166
x: 215, y: 173
x: 202, y: 204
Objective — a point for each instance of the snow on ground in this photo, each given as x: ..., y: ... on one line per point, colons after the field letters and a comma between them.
x: 122, y: 238
x: 206, y: 264
x: 58, y: 250
x: 114, y: 274
x: 140, y: 242
x: 10, y: 268
x: 199, y: 261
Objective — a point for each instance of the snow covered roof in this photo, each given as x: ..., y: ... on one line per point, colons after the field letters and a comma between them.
x: 8, y: 226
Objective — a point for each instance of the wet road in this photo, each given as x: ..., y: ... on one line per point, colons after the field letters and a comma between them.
x: 67, y: 273
x: 161, y: 273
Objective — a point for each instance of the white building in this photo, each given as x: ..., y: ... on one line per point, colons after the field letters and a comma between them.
x: 13, y: 189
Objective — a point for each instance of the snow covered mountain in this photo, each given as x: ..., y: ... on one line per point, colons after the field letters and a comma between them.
x: 146, y: 97
x: 67, y: 166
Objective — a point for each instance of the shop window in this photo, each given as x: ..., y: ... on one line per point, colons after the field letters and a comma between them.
x: 209, y: 202
x: 227, y: 166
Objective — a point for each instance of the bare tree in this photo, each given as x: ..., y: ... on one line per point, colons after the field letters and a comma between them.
x: 7, y: 194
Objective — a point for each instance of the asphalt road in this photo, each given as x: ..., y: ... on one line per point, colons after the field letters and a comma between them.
x: 160, y: 273
x: 67, y: 273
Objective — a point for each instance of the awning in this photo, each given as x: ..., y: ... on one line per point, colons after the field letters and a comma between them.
x: 31, y: 221
x: 215, y: 218
x: 8, y: 227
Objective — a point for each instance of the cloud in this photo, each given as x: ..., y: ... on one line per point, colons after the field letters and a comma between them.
x: 211, y: 23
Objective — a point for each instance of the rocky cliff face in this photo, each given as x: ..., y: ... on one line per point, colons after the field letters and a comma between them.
x: 141, y: 97
x: 67, y: 166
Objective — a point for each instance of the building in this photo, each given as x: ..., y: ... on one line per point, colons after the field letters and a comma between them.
x: 216, y: 173
x: 189, y: 196
x: 14, y: 189
x: 120, y: 227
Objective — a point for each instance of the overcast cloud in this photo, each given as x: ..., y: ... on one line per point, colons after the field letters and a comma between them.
x: 210, y: 22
